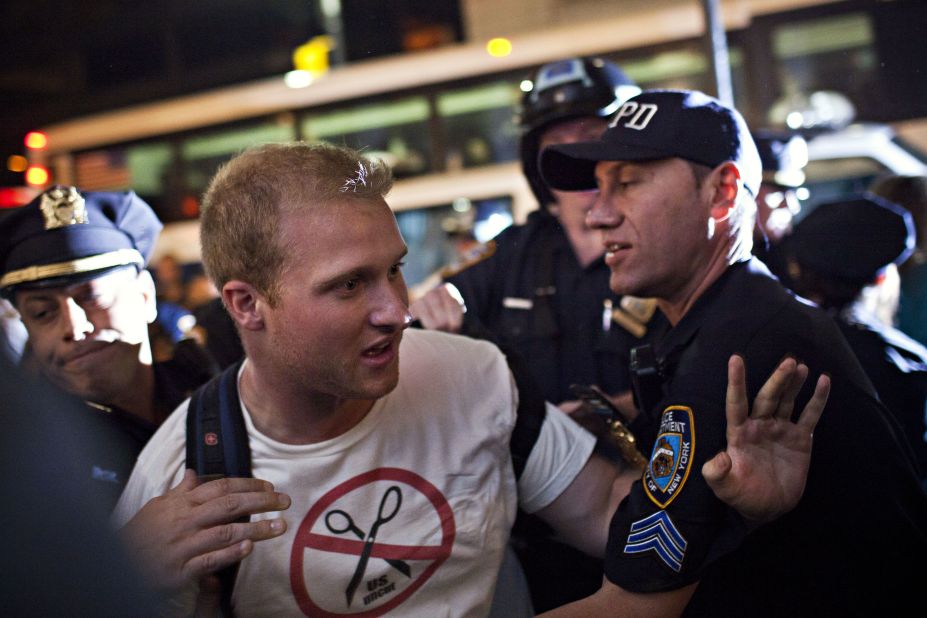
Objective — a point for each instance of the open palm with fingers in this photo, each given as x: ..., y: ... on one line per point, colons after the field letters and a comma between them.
x: 763, y: 470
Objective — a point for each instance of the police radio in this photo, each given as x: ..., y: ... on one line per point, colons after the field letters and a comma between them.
x: 646, y: 378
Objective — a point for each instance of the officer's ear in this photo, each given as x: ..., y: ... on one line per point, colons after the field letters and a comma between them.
x: 244, y: 303
x: 146, y: 286
x: 726, y: 184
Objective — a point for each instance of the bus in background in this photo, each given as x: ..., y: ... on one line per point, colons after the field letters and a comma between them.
x: 444, y: 119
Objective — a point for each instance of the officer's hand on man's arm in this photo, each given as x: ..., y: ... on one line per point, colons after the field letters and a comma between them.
x: 192, y: 530
x: 585, y: 415
x: 441, y: 308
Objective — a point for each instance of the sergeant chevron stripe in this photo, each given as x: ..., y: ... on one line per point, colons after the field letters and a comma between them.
x: 657, y: 533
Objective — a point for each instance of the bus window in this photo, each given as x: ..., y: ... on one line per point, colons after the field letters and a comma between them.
x: 681, y: 67
x: 150, y: 164
x: 145, y: 168
x: 396, y: 131
x: 103, y: 170
x: 439, y: 236
x: 832, y: 53
x: 204, y: 153
x: 479, y: 124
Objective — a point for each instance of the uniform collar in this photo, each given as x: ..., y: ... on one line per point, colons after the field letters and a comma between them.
x: 714, y: 300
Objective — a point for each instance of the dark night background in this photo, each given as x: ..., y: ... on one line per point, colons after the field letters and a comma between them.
x: 63, y: 59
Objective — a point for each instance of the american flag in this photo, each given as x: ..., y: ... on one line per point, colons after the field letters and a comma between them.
x: 103, y: 170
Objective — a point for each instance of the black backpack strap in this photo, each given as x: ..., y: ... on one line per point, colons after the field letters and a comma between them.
x: 530, y: 415
x: 217, y: 446
x: 217, y: 441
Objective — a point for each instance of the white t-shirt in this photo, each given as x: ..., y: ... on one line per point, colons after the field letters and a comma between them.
x: 430, y: 462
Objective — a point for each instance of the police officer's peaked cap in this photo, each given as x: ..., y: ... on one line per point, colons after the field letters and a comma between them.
x: 65, y: 236
x: 659, y: 124
x: 784, y: 156
x: 853, y: 239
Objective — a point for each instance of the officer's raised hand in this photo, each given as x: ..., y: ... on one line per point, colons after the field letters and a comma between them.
x: 192, y: 530
x: 441, y: 308
x: 763, y: 470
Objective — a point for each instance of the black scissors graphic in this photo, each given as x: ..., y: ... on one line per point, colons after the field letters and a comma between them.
x: 340, y: 522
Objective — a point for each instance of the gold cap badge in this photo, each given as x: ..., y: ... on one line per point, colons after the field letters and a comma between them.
x: 63, y: 206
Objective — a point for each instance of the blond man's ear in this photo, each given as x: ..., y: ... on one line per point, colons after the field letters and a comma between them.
x: 245, y: 304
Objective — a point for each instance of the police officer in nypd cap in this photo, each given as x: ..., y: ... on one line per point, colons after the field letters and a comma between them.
x: 73, y: 264
x: 834, y: 254
x: 677, y: 174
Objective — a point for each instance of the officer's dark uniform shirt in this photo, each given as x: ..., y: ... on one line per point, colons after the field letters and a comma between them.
x: 122, y: 435
x: 60, y: 555
x: 771, y: 255
x: 532, y: 296
x: 856, y: 542
x: 897, y: 367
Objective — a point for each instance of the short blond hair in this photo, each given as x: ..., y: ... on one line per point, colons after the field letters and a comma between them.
x: 247, y: 198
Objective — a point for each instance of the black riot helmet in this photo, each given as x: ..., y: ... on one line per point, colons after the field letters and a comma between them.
x: 561, y: 91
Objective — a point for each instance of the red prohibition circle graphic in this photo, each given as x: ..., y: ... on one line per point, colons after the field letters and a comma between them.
x: 306, y: 539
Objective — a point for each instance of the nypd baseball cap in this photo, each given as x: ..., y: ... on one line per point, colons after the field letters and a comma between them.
x: 64, y: 236
x: 659, y: 124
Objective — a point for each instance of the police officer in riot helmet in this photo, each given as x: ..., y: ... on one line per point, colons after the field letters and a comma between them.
x: 540, y: 291
x: 578, y: 89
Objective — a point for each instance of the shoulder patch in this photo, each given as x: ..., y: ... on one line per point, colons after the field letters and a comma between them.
x: 472, y: 257
x: 672, y: 455
x: 658, y: 534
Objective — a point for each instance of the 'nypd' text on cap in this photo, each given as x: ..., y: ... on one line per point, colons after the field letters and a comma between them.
x: 659, y: 124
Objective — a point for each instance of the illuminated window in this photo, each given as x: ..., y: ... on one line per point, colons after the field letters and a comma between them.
x: 395, y: 131
x: 203, y: 154
x: 440, y: 236
x: 834, y: 53
x: 480, y: 125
